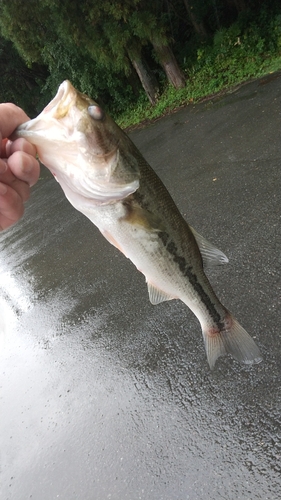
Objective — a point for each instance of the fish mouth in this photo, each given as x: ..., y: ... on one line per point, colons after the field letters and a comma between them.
x: 60, y: 104
x: 63, y: 90
x: 57, y: 108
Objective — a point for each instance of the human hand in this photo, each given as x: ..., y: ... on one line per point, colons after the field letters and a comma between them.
x: 19, y: 169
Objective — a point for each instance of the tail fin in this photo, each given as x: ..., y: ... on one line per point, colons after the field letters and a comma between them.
x: 233, y: 339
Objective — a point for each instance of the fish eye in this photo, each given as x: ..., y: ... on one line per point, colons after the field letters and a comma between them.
x: 96, y: 112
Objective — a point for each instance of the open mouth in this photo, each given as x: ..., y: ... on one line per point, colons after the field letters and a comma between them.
x: 57, y: 108
x: 62, y: 98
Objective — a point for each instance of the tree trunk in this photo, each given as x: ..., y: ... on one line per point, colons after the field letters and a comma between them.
x: 169, y: 64
x: 197, y: 25
x: 134, y: 82
x: 146, y: 76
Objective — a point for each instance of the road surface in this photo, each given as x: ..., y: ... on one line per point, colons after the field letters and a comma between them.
x: 104, y: 396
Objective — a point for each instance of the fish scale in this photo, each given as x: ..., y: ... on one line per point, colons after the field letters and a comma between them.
x: 106, y: 178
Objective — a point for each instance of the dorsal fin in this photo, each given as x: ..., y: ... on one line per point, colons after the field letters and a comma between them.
x: 211, y: 255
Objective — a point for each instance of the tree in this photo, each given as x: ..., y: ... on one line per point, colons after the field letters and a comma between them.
x: 146, y: 76
x: 48, y: 37
x: 107, y: 41
x: 147, y: 22
x: 240, y: 5
x: 20, y: 84
x: 193, y: 9
x: 89, y: 37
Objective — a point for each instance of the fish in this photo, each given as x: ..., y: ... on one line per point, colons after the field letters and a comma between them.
x: 104, y: 176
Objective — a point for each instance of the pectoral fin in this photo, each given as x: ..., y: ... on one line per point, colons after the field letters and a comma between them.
x: 211, y: 255
x: 138, y: 216
x: 157, y: 296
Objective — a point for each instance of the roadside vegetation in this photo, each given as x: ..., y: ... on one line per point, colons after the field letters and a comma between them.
x: 140, y: 59
x: 233, y: 57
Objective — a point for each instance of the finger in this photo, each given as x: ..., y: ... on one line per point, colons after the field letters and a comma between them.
x: 3, y: 144
x: 20, y: 145
x: 20, y: 186
x: 11, y: 206
x: 11, y: 117
x: 24, y: 166
x: 3, y: 166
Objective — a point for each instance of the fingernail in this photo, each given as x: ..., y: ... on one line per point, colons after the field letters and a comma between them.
x: 3, y: 189
x: 27, y: 168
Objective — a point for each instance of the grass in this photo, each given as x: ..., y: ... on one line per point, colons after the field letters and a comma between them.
x: 235, y: 56
x: 197, y: 88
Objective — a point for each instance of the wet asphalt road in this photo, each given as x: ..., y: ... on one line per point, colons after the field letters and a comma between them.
x: 104, y: 396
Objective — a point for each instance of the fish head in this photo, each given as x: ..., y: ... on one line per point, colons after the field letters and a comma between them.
x: 83, y: 147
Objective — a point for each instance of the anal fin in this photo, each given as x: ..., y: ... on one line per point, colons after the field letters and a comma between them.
x: 157, y: 296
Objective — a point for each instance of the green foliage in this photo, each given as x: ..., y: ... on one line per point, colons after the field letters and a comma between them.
x: 55, y: 35
x: 20, y: 84
x: 239, y: 51
x: 92, y: 43
x: 235, y: 54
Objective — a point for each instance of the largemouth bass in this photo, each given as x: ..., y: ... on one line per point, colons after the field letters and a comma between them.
x: 105, y: 177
